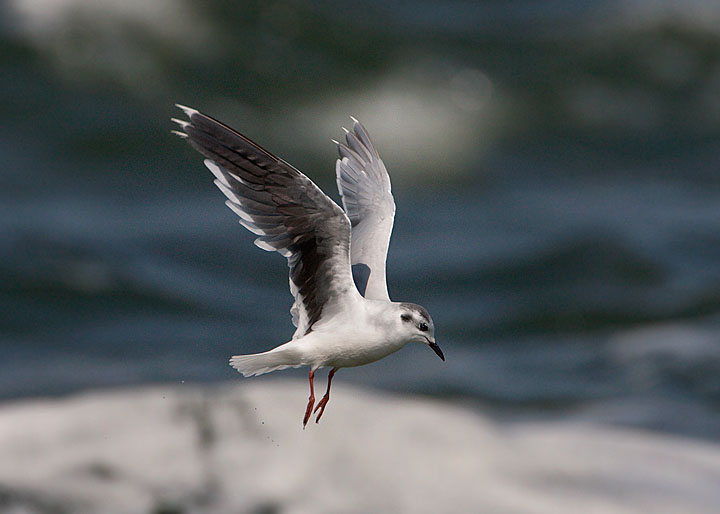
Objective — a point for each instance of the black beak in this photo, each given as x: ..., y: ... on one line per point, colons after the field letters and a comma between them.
x: 436, y: 349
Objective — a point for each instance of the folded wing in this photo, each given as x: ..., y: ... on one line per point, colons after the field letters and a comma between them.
x: 288, y: 212
x: 364, y: 185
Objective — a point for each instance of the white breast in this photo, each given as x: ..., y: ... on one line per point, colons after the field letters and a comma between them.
x: 345, y: 342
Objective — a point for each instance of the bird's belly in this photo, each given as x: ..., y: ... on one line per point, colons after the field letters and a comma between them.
x: 355, y: 351
x: 361, y: 357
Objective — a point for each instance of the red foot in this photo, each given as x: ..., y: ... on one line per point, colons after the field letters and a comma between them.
x: 321, y: 406
x: 311, y: 400
x: 325, y: 399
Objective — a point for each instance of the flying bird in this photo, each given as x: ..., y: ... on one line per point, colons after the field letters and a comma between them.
x: 337, y: 325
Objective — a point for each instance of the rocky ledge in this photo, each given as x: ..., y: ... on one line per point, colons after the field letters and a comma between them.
x: 241, y: 448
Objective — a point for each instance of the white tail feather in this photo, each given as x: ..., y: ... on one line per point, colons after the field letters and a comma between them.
x: 261, y: 363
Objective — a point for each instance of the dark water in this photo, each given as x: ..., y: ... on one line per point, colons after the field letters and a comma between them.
x: 555, y: 171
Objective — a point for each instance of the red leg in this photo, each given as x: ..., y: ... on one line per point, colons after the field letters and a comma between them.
x: 311, y: 400
x: 326, y: 398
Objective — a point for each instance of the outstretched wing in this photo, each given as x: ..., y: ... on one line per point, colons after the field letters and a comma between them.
x: 364, y: 185
x: 288, y: 212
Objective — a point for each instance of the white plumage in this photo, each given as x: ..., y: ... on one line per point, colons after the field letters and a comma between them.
x: 336, y: 325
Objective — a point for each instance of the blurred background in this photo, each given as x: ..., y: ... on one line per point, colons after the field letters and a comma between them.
x: 555, y: 167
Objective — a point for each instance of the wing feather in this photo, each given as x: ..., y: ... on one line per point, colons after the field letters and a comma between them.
x: 364, y: 184
x: 288, y: 212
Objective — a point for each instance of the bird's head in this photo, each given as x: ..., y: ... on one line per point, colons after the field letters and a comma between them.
x: 416, y: 326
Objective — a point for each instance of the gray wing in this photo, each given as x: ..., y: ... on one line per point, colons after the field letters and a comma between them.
x: 364, y: 185
x: 286, y: 209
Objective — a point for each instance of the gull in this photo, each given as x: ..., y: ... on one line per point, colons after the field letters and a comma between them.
x: 337, y: 324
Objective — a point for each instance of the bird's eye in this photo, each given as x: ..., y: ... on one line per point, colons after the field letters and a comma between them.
x: 423, y: 327
x: 405, y: 317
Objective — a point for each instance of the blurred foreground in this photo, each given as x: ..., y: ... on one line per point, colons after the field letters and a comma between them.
x: 241, y: 449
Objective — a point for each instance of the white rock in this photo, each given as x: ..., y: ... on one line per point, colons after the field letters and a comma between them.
x: 241, y: 448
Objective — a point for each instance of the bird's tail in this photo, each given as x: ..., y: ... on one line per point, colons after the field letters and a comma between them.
x: 260, y: 363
